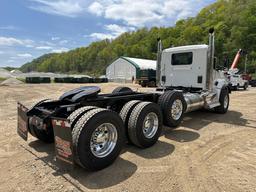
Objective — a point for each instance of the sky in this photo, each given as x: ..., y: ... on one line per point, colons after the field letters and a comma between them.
x: 31, y: 28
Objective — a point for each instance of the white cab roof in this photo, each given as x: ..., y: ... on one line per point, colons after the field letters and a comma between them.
x: 186, y: 48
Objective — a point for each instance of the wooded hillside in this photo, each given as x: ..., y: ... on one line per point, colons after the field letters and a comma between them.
x: 234, y: 22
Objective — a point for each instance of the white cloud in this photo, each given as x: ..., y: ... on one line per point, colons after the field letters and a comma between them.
x: 55, y: 38
x: 62, y: 42
x: 117, y: 30
x: 60, y: 50
x: 136, y: 13
x: 24, y: 55
x: 146, y: 12
x: 113, y: 31
x: 10, y: 61
x: 47, y: 43
x: 96, y: 8
x: 1, y: 52
x: 69, y: 8
x: 29, y: 46
x: 10, y: 41
x: 101, y: 36
x: 44, y: 48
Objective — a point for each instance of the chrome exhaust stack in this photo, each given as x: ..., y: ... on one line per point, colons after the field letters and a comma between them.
x: 158, y: 63
x: 209, y: 74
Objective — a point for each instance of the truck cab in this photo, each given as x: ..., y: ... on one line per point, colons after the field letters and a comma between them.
x: 184, y: 66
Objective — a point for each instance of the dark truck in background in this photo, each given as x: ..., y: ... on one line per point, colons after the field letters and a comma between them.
x: 147, y: 78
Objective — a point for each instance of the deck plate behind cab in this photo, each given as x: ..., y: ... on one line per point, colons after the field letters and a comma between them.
x: 81, y: 93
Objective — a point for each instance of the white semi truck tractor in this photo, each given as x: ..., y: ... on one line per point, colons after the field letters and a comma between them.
x: 189, y: 70
x: 89, y: 129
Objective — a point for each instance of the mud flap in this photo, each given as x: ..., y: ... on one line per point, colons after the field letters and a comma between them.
x: 22, y: 126
x: 63, y: 142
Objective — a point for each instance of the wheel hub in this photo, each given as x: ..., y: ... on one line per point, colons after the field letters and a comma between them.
x: 176, y: 109
x: 226, y: 102
x: 150, y: 125
x: 103, y: 140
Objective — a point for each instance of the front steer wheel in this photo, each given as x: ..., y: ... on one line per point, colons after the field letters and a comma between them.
x: 224, y: 102
x: 98, y: 138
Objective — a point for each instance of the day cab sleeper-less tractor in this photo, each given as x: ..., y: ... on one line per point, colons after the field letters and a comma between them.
x: 90, y: 129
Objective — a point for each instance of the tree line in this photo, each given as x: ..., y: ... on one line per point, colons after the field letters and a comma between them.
x: 234, y: 22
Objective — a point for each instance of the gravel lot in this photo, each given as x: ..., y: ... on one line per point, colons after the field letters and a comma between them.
x: 208, y: 152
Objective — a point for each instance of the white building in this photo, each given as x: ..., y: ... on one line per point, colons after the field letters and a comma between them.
x: 126, y: 69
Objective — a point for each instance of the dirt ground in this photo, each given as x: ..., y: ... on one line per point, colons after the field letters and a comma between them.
x: 208, y: 152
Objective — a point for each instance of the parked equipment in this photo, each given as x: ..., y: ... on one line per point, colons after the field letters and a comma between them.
x: 90, y: 128
x: 147, y: 78
x: 37, y: 80
x: 236, y: 80
x: 252, y: 82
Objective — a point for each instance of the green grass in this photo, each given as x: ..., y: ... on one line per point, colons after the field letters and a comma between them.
x: 2, y: 79
x: 22, y: 79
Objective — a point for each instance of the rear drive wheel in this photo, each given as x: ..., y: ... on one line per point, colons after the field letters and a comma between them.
x: 73, y: 117
x: 126, y: 112
x: 98, y: 138
x: 145, y: 124
x: 224, y: 102
x: 173, y: 106
x: 122, y: 89
x: 46, y: 135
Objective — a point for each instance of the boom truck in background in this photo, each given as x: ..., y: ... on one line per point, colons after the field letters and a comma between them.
x: 89, y: 129
x: 235, y: 79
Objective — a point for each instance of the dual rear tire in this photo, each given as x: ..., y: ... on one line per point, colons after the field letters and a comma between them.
x: 98, y: 134
x: 98, y: 138
x: 143, y: 122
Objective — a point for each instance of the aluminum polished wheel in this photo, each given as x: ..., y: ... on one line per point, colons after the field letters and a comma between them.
x: 150, y: 125
x: 103, y: 140
x: 226, y: 100
x: 177, y: 109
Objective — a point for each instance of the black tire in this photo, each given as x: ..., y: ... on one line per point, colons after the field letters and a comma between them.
x: 143, y: 84
x: 122, y: 89
x: 166, y: 101
x: 83, y: 131
x: 245, y: 86
x: 73, y: 117
x: 46, y: 136
x: 126, y: 112
x: 222, y: 108
x: 136, y: 122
